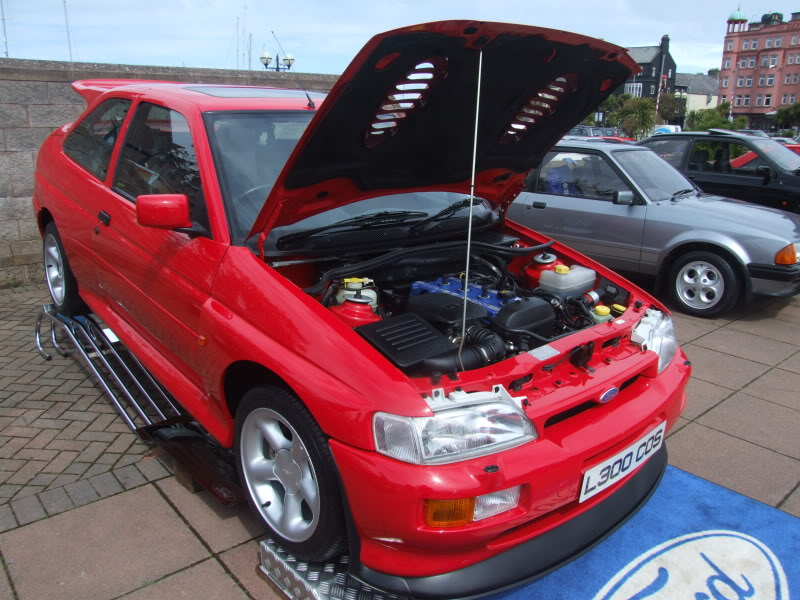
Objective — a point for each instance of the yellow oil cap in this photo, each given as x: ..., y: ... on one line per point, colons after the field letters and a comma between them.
x: 353, y: 280
x: 618, y: 308
x: 561, y: 269
x: 601, y: 310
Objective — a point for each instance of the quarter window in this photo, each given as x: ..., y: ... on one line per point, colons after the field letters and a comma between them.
x: 90, y: 143
x: 159, y: 158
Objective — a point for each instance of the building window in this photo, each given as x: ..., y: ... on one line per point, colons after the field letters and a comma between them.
x: 738, y: 101
x: 652, y: 90
x: 746, y: 101
x: 773, y: 60
x: 751, y: 62
x: 768, y: 99
x: 652, y: 71
x: 724, y: 82
x: 746, y: 45
x: 740, y: 82
x: 794, y: 77
x: 729, y: 45
x: 785, y: 99
x: 634, y: 89
x: 768, y: 44
x: 669, y: 74
x: 754, y: 44
x: 788, y: 78
x: 770, y: 79
x: 727, y: 63
x: 762, y: 80
x: 778, y: 42
x: 724, y: 99
x: 791, y: 98
x: 743, y: 63
x: 789, y: 59
x: 748, y: 82
x: 759, y: 100
x: 764, y: 60
x: 794, y: 40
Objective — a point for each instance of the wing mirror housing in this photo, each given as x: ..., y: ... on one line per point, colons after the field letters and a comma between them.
x: 764, y: 171
x: 623, y: 197
x: 163, y: 211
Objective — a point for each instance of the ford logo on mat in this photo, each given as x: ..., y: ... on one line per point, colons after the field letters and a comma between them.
x: 705, y: 565
x: 609, y: 395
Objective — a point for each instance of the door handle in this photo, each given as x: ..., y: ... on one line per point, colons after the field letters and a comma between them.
x: 104, y: 217
x: 539, y: 204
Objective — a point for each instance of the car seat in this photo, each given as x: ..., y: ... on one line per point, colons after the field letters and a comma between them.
x: 560, y: 181
x: 722, y: 161
x: 699, y: 161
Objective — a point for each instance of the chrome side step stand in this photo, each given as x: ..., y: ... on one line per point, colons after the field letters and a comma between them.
x: 137, y: 397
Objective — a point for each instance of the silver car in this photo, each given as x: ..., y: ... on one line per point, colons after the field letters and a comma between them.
x: 627, y: 208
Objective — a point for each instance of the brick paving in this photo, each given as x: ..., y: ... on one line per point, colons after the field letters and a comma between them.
x: 62, y: 444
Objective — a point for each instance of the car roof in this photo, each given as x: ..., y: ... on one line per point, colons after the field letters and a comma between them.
x: 710, y: 132
x: 605, y: 146
x: 206, y: 97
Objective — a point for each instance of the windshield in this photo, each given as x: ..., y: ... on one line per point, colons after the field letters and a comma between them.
x: 651, y: 173
x: 416, y: 205
x: 250, y: 150
x: 784, y: 158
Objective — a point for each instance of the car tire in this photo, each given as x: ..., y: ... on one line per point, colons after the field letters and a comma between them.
x: 704, y: 284
x: 288, y: 473
x: 58, y: 274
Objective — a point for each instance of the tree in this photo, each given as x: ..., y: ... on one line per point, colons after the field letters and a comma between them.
x: 788, y: 116
x: 668, y: 106
x: 638, y: 116
x: 714, y: 118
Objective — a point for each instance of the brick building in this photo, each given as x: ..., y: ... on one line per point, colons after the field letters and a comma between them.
x: 760, y: 69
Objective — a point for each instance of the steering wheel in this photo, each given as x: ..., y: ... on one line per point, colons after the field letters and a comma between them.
x: 248, y: 204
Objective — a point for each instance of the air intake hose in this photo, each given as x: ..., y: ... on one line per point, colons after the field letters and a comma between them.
x: 481, y: 348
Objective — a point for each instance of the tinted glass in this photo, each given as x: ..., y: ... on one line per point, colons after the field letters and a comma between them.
x: 778, y: 153
x: 671, y: 150
x: 159, y: 158
x: 250, y: 150
x: 91, y: 142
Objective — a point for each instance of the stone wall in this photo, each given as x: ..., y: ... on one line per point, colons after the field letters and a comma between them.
x: 36, y: 97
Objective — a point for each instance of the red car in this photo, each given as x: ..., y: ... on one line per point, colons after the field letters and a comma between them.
x: 401, y: 372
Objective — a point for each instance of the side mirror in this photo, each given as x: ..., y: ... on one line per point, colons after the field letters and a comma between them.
x: 163, y: 211
x: 764, y: 171
x: 623, y: 197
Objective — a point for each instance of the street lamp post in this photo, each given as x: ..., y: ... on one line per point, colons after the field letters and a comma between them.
x: 682, y: 97
x: 288, y: 61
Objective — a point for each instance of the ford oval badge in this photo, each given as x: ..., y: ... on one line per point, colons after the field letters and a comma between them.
x: 609, y: 395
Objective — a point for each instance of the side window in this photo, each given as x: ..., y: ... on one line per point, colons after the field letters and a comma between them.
x: 580, y: 175
x: 671, y: 150
x: 91, y: 142
x: 158, y: 157
x: 740, y: 159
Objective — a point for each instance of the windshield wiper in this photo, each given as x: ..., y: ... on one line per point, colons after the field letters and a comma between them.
x: 361, y: 221
x: 445, y: 212
x: 680, y: 193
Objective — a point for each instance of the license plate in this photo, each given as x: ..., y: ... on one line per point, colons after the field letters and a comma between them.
x: 622, y: 464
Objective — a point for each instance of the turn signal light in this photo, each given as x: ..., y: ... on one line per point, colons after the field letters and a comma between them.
x: 787, y: 256
x: 449, y: 513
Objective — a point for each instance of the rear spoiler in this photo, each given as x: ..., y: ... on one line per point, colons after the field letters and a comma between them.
x: 92, y: 88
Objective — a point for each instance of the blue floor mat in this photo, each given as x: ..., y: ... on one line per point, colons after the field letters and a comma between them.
x: 693, y: 540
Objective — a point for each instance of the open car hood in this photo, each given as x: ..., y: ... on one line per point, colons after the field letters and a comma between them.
x: 402, y: 116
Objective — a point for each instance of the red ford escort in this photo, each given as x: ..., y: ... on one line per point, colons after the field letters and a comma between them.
x: 330, y: 288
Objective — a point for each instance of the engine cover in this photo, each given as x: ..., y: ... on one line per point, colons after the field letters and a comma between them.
x: 490, y: 299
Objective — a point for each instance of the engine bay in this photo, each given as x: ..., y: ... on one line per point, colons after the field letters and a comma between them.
x: 409, y: 303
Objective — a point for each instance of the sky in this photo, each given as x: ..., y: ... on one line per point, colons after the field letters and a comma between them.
x: 323, y: 35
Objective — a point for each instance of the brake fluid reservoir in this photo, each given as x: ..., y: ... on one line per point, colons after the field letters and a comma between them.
x: 532, y: 273
x: 568, y: 281
x: 360, y: 289
x: 601, y: 314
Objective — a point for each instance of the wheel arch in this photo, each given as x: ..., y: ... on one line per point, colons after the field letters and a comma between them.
x: 733, y: 257
x: 43, y: 218
x: 242, y: 375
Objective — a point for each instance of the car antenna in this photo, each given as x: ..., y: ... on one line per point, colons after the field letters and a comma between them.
x: 310, y: 101
x: 471, y: 201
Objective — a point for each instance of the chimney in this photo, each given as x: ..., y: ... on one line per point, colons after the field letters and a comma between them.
x: 665, y: 43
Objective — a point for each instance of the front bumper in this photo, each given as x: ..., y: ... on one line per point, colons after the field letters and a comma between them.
x: 536, y: 557
x: 775, y: 280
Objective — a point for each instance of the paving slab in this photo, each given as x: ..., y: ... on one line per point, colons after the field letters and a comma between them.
x: 763, y: 423
x: 792, y: 503
x: 205, y: 580
x: 722, y: 369
x: 748, y: 346
x: 702, y: 396
x: 220, y: 527
x: 101, y: 550
x: 774, y: 329
x: 778, y: 386
x: 733, y: 463
x: 243, y: 562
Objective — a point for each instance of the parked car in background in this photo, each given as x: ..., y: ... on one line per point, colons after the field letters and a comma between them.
x: 295, y: 270
x: 786, y: 141
x: 756, y: 132
x: 708, y: 158
x: 628, y: 209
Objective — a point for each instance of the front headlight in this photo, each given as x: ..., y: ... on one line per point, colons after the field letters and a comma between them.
x: 655, y: 332
x: 453, y: 434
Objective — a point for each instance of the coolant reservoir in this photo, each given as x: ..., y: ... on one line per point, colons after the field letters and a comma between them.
x: 568, y: 281
x: 360, y: 289
x: 532, y: 273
